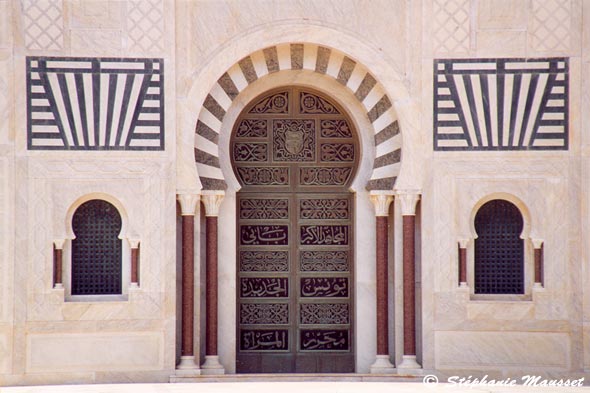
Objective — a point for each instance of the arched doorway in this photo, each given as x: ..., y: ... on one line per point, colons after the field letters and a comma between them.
x: 295, y: 152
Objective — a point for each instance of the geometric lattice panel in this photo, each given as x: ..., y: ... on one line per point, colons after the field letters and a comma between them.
x: 551, y: 25
x: 501, y: 104
x: 43, y: 24
x: 95, y: 104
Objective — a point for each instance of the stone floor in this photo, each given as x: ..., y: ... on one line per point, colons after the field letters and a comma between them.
x: 287, y: 387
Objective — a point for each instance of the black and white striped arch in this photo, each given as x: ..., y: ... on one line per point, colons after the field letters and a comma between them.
x: 95, y: 104
x: 315, y: 58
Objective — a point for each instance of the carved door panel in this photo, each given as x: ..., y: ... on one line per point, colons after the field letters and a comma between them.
x: 294, y: 153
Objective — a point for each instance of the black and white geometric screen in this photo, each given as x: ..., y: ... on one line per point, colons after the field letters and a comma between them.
x: 95, y: 104
x: 501, y: 104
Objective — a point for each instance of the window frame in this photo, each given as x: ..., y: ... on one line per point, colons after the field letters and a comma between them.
x: 528, y: 251
x: 125, y: 252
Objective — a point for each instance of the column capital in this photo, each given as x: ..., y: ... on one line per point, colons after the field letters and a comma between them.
x: 188, y: 203
x: 133, y: 243
x: 408, y: 199
x: 59, y: 243
x: 212, y: 200
x: 381, y: 201
x: 537, y: 243
x: 463, y: 242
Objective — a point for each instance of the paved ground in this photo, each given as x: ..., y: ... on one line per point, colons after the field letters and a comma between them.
x: 289, y: 387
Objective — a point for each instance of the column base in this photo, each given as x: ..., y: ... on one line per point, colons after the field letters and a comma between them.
x: 409, y: 366
x: 382, y: 365
x: 212, y: 366
x: 187, y: 367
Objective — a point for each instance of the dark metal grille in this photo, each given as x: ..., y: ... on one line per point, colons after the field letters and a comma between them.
x: 499, y: 250
x: 96, y: 250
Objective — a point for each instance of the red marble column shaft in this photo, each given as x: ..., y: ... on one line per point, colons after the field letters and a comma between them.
x: 211, y: 297
x: 538, y: 264
x: 409, y: 223
x: 382, y: 280
x: 57, y: 265
x: 462, y: 265
x: 134, y: 264
x: 188, y: 262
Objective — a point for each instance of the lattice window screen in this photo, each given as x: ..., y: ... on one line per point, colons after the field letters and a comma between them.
x: 499, y: 250
x: 96, y: 250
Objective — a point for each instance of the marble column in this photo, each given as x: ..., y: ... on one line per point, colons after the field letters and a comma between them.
x: 463, y: 262
x: 211, y: 201
x: 134, y: 245
x: 188, y: 205
x: 408, y: 200
x: 538, y: 257
x: 58, y: 246
x: 381, y: 201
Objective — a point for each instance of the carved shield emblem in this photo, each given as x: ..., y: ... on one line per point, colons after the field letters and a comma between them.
x: 294, y: 139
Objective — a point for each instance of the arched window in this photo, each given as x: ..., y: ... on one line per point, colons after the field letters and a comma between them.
x: 96, y: 250
x: 499, y: 250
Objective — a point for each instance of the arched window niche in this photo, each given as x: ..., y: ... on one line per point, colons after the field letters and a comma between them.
x: 97, y: 254
x: 500, y: 262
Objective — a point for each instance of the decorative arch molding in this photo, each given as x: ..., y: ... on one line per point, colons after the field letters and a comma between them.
x: 300, y: 56
x: 98, y: 195
x: 520, y: 205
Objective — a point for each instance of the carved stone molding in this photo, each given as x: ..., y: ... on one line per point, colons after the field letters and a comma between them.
x: 463, y: 242
x: 212, y: 200
x: 537, y: 243
x: 408, y: 201
x: 133, y: 243
x: 188, y: 203
x: 59, y: 243
x: 381, y: 202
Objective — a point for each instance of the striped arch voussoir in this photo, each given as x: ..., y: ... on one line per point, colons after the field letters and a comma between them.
x: 315, y: 58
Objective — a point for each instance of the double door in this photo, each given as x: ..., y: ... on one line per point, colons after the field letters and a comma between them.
x: 295, y: 283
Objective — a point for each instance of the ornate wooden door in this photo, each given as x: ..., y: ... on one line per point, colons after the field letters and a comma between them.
x: 294, y: 152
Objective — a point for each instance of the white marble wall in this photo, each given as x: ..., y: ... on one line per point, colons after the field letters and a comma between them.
x: 199, y: 40
x: 45, y: 335
x: 542, y: 331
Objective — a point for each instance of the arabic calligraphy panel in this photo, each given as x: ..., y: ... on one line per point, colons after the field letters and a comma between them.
x: 261, y: 287
x: 323, y: 261
x: 264, y: 209
x: 324, y: 340
x: 324, y: 287
x: 264, y: 176
x: 264, y: 340
x: 263, y: 235
x: 324, y: 313
x: 324, y: 235
x: 324, y: 209
x: 266, y: 313
x: 264, y: 261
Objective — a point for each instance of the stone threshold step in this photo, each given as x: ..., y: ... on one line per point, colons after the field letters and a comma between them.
x: 296, y: 378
